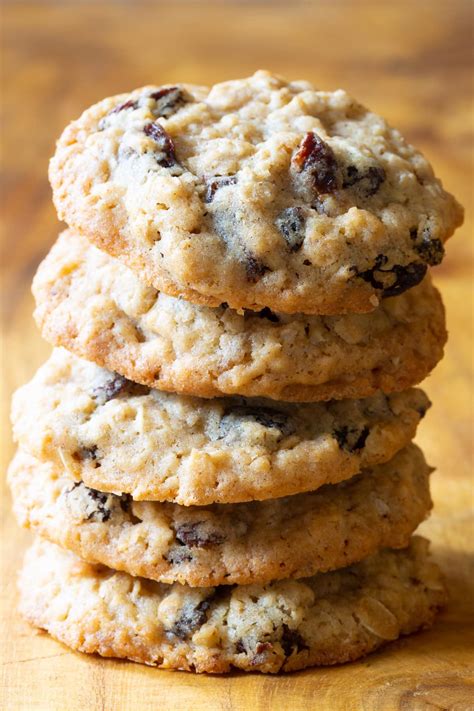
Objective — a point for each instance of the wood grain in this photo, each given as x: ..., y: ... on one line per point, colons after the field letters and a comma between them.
x: 411, y: 61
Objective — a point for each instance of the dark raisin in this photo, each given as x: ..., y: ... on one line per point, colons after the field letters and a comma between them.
x: 130, y: 104
x: 85, y: 453
x: 316, y: 167
x: 166, y: 155
x: 368, y: 181
x: 218, y: 181
x: 292, y: 641
x: 430, y: 249
x: 126, y: 502
x: 254, y: 268
x: 291, y: 223
x: 369, y: 274
x: 239, y: 647
x: 422, y: 410
x: 102, y: 511
x: 97, y: 504
x: 265, y: 416
x: 264, y: 313
x: 394, y: 280
x: 196, y: 535
x: 117, y: 385
x: 168, y: 101
x: 405, y: 278
x: 191, y: 619
x: 93, y: 505
x: 351, y: 177
x: 350, y: 438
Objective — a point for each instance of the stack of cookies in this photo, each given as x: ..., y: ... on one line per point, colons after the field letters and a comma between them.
x: 218, y: 455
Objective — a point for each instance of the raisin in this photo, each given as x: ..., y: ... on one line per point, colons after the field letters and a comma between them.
x: 264, y: 313
x: 195, y: 535
x: 400, y: 278
x: 166, y: 157
x: 126, y: 502
x: 265, y: 416
x: 254, y: 268
x: 85, y: 453
x: 93, y: 505
x: 168, y: 101
x: 405, y: 278
x: 316, y: 167
x: 239, y: 647
x: 115, y: 386
x: 352, y: 176
x: 218, y: 181
x: 191, y: 619
x: 130, y: 104
x: 367, y: 181
x: 369, y: 274
x: 350, y: 438
x: 291, y: 223
x: 98, y: 504
x: 422, y: 410
x: 292, y: 641
x: 431, y: 250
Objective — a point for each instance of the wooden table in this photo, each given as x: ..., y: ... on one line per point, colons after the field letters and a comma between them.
x: 407, y: 60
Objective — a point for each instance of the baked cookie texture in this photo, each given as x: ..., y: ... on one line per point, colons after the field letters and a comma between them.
x: 119, y: 437
x: 243, y: 543
x: 284, y: 626
x: 257, y: 193
x: 217, y: 458
x: 97, y: 308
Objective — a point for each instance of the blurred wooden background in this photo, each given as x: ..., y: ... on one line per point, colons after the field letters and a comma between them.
x: 410, y: 60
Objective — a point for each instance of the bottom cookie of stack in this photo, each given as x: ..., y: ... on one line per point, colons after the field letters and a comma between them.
x: 287, y: 625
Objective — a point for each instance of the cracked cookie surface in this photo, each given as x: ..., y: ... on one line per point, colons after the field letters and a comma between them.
x: 96, y: 307
x: 219, y: 544
x: 119, y: 437
x: 283, y: 626
x: 258, y: 192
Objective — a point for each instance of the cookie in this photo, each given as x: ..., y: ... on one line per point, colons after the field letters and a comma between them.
x: 97, y: 308
x: 121, y: 437
x: 242, y: 543
x: 283, y: 626
x: 256, y: 192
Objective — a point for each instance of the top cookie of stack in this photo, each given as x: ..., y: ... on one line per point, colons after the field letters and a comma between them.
x: 256, y: 193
